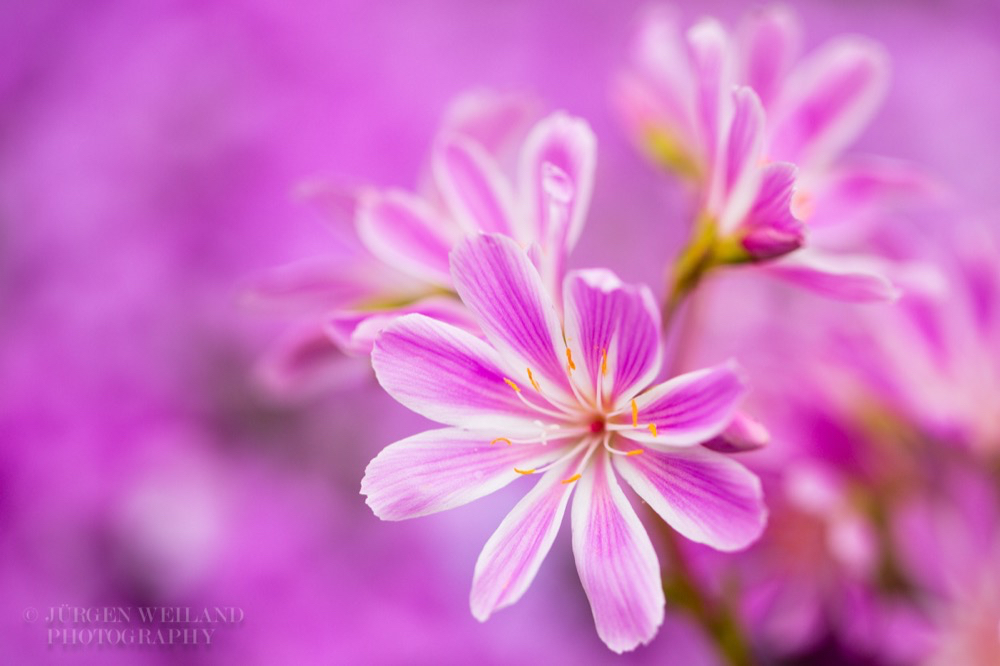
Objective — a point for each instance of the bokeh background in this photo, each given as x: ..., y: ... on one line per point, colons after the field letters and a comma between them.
x: 148, y: 155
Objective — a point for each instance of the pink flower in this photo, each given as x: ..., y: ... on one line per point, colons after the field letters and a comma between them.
x: 929, y: 362
x: 569, y: 400
x: 933, y: 360
x: 949, y: 543
x: 391, y: 254
x: 696, y: 104
x: 750, y: 199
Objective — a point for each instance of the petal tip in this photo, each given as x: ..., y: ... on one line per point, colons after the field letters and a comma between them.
x: 620, y: 645
x: 738, y: 372
x: 567, y: 122
x: 750, y: 536
x: 480, y: 610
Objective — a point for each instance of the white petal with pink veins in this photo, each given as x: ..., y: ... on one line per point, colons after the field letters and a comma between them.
x: 442, y: 469
x: 615, y: 560
x: 704, y: 495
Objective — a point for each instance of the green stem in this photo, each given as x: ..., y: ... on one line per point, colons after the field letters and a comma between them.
x: 705, y: 251
x: 689, y: 268
x: 717, y: 619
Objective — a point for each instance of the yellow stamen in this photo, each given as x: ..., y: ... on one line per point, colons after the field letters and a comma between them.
x: 569, y: 359
x: 512, y: 385
x: 524, y: 471
x: 501, y: 439
x: 635, y: 415
x: 634, y: 452
x: 652, y: 429
x: 575, y: 477
x: 604, y: 361
x: 533, y: 382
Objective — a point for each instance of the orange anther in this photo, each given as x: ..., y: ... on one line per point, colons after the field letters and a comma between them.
x: 531, y: 377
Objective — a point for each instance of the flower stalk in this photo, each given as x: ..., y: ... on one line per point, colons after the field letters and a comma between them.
x: 717, y: 619
x: 705, y: 251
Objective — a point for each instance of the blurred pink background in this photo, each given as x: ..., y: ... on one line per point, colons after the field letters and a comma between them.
x: 148, y: 152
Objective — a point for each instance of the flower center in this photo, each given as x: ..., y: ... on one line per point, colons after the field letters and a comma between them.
x: 597, y: 426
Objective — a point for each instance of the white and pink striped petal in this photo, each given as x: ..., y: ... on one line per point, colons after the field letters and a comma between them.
x: 852, y: 278
x: 738, y: 175
x: 612, y: 335
x: 442, y: 469
x: 477, y: 194
x: 504, y: 293
x: 708, y: 44
x: 492, y: 119
x: 305, y: 361
x: 513, y: 554
x: 615, y: 560
x: 771, y: 229
x: 828, y: 100
x: 568, y: 144
x: 450, y: 376
x: 404, y: 232
x: 770, y: 40
x: 686, y: 410
x: 706, y: 496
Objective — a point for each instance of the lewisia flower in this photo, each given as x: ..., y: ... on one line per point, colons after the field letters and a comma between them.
x: 816, y: 567
x: 950, y: 545
x: 925, y: 369
x: 933, y: 361
x: 570, y: 402
x: 677, y: 101
x: 391, y: 256
x: 749, y: 199
x: 884, y: 413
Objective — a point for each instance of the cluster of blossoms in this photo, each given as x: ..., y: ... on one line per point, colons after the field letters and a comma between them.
x: 460, y: 294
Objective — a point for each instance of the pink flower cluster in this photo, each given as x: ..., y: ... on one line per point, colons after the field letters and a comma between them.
x: 648, y: 334
x: 461, y: 296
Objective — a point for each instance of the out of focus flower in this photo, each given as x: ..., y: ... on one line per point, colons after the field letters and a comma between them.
x: 746, y: 214
x: 886, y: 422
x: 933, y: 361
x: 823, y: 572
x: 924, y: 370
x: 970, y: 632
x: 391, y: 254
x: 950, y: 545
x: 677, y: 102
x: 564, y: 399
